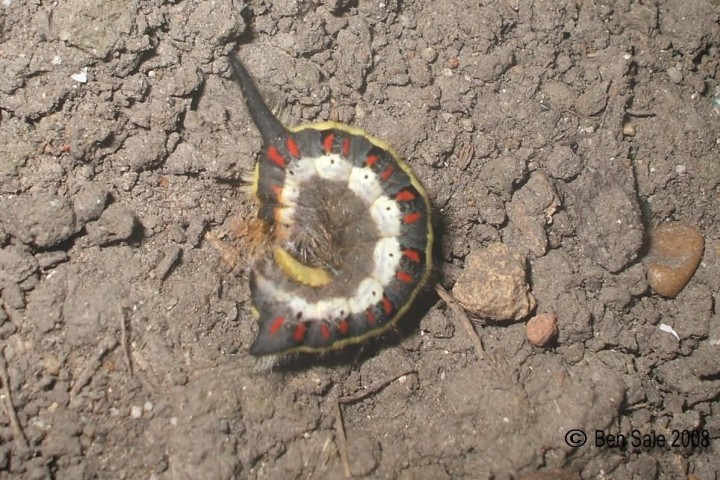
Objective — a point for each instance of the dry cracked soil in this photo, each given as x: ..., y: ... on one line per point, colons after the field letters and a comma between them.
x: 566, y: 130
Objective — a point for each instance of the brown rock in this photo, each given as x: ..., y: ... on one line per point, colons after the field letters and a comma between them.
x: 675, y: 252
x: 493, y: 284
x: 542, y: 329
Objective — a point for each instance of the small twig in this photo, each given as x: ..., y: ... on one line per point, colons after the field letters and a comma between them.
x: 607, y: 107
x: 342, y: 440
x: 356, y: 359
x: 373, y: 388
x: 124, y: 334
x: 462, y: 318
x: 91, y: 366
x: 18, y: 432
x: 146, y: 374
x: 324, y: 459
x: 639, y: 113
x: 340, y: 426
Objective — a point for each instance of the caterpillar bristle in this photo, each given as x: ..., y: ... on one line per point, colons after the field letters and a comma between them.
x: 246, y: 187
x: 241, y: 241
x: 229, y: 254
x: 267, y: 362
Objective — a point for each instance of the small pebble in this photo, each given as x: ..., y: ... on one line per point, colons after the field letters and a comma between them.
x: 675, y: 75
x: 136, y: 411
x: 428, y: 54
x: 675, y: 252
x: 224, y: 426
x: 81, y: 76
x: 542, y: 329
x: 52, y: 365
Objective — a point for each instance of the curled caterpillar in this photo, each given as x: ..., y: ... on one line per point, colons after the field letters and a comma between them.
x: 349, y: 231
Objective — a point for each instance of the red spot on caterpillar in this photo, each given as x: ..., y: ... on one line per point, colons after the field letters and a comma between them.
x: 277, y: 190
x: 387, y: 173
x: 412, y: 255
x: 344, y: 326
x: 275, y: 157
x: 328, y: 143
x: 346, y: 147
x: 370, y: 317
x: 325, y: 331
x: 405, y: 196
x: 293, y: 148
x: 412, y: 218
x: 276, y: 325
x: 299, y: 333
x: 387, y: 305
x: 404, y: 277
x: 371, y: 160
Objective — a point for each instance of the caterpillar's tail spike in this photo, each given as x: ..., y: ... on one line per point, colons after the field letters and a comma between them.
x: 270, y: 127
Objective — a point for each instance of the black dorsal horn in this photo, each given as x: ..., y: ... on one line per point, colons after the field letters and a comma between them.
x: 270, y: 127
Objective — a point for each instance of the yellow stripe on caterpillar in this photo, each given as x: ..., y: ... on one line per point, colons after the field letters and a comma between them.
x: 296, y: 271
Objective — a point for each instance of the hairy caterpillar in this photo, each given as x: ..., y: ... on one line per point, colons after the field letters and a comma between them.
x: 349, y: 231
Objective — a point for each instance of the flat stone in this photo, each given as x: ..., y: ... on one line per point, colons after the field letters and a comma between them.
x: 493, y: 284
x: 675, y: 252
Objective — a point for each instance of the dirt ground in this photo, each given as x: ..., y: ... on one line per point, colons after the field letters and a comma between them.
x: 125, y: 335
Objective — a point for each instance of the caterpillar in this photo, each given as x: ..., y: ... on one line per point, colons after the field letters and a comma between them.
x: 349, y: 233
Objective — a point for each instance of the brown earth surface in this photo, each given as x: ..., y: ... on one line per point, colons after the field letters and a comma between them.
x: 566, y: 130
